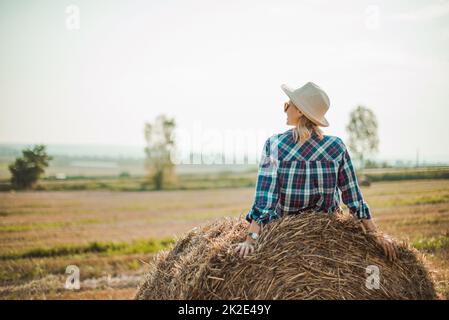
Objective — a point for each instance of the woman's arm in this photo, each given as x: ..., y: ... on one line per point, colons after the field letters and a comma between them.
x: 253, y: 227
x: 369, y: 225
x: 353, y: 198
x: 349, y: 186
x: 247, y: 246
x: 383, y: 241
x: 267, y: 188
x: 266, y: 195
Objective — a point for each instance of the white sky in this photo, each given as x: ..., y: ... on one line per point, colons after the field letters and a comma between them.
x: 219, y: 65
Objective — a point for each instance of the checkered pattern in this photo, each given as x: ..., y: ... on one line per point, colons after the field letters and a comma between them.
x: 293, y: 178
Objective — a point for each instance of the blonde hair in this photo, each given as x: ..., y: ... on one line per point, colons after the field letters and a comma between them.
x: 304, y: 130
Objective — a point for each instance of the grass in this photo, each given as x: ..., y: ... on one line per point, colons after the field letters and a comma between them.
x: 16, y: 272
x: 15, y: 228
x: 433, y: 244
x: 42, y: 225
x: 206, y: 180
x: 414, y: 199
x: 139, y: 183
x: 103, y: 248
x: 425, y: 221
x: 410, y: 174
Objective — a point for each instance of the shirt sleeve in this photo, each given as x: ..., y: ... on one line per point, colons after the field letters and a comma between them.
x: 266, y: 195
x: 350, y: 190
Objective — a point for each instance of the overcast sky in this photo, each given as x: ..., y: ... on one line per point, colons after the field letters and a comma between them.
x: 219, y: 65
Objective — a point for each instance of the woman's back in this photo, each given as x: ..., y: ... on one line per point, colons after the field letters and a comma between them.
x: 295, y: 177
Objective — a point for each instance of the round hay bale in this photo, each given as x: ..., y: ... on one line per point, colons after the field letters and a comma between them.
x: 304, y: 256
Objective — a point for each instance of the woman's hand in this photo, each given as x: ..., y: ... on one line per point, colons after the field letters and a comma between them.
x: 387, y: 244
x: 384, y: 241
x: 244, y: 248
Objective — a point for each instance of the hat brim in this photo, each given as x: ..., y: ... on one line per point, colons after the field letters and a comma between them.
x: 318, y: 121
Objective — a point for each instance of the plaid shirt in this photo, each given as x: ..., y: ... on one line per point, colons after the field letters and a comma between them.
x: 294, y: 178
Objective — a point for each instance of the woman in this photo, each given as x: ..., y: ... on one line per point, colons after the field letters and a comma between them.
x: 303, y: 169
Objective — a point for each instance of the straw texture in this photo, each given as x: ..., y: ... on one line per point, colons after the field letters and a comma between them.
x: 305, y: 256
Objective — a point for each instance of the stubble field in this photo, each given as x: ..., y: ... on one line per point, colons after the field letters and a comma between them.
x: 111, y: 235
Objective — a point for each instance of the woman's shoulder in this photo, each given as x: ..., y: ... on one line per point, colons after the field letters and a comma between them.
x: 328, y: 147
x: 333, y: 145
x: 333, y: 139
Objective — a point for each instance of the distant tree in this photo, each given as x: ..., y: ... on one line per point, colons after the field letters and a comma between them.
x: 124, y: 174
x: 26, y: 170
x: 362, y: 131
x: 370, y: 164
x: 160, y: 145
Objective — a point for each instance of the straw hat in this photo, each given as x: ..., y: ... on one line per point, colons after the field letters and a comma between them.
x: 311, y: 100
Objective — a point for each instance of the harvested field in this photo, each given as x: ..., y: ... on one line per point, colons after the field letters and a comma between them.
x: 116, y: 234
